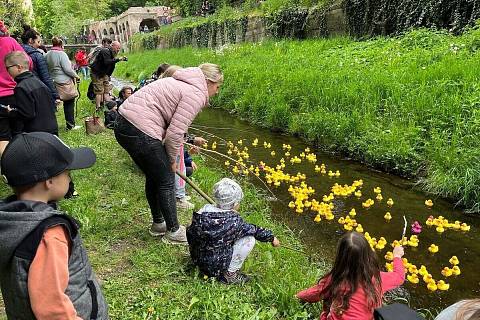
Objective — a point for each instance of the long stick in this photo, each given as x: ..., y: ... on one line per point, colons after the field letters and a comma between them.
x: 404, y: 229
x: 194, y: 186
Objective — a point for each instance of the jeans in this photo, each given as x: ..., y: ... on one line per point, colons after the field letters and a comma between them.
x: 179, y: 182
x: 69, y: 110
x: 85, y: 72
x: 150, y: 156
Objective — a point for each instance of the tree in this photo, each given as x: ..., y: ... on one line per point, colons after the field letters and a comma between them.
x: 14, y: 15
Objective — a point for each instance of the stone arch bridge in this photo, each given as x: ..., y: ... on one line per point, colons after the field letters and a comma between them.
x: 135, y: 19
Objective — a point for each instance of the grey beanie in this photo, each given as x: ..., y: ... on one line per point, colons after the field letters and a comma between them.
x: 227, y: 193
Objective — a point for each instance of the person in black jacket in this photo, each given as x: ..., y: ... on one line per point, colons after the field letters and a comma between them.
x: 218, y: 238
x: 34, y: 108
x: 31, y: 41
x: 102, y: 68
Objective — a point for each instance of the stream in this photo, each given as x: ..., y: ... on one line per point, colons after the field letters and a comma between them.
x: 320, y: 238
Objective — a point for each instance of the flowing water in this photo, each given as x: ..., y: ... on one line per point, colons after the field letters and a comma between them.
x: 321, y: 238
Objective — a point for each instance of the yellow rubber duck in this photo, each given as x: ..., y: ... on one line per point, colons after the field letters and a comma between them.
x: 433, y: 248
x: 454, y: 260
x: 291, y: 204
x: 428, y: 278
x: 389, y: 266
x: 432, y: 286
x: 423, y: 270
x: 272, y: 153
x: 227, y: 163
x: 390, y: 202
x: 358, y: 194
x: 413, y: 278
x: 456, y: 270
x: 440, y: 229
x: 447, y: 272
x: 377, y: 190
x: 379, y: 197
x: 464, y: 227
x: 352, y: 213
x: 337, y: 173
x: 441, y: 285
x: 429, y: 203
x: 387, y: 216
x: 317, y: 218
x: 389, y: 256
x: 413, y: 269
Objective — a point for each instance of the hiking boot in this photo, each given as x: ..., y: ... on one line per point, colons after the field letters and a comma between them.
x: 176, y: 237
x: 184, y: 204
x: 158, y: 229
x: 234, y: 278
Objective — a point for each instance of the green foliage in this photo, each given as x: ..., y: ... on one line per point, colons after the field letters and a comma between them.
x: 407, y: 104
x: 14, y: 15
x: 66, y: 17
x: 393, y: 16
x: 143, y: 278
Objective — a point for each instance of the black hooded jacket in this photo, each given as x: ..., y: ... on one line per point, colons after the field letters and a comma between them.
x: 213, y: 233
x: 34, y: 108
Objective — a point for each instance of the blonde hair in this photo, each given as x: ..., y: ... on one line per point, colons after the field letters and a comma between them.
x: 16, y: 58
x: 469, y: 310
x: 212, y: 72
x: 170, y: 71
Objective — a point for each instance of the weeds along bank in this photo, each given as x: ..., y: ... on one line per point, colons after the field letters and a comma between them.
x: 407, y: 104
x: 143, y: 278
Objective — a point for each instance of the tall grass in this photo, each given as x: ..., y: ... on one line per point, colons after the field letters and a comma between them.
x: 407, y: 104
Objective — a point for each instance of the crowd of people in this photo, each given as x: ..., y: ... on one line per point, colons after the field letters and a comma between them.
x: 151, y: 124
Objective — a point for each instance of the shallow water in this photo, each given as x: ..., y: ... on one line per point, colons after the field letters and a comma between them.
x: 320, y: 238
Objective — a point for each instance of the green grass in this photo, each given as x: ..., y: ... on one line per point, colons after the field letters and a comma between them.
x: 407, y: 104
x: 146, y: 279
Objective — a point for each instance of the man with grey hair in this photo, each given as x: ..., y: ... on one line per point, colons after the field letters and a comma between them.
x: 220, y: 240
x: 102, y: 69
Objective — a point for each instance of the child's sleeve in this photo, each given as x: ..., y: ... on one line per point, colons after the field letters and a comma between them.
x: 312, y: 294
x: 247, y: 229
x: 391, y: 280
x: 48, y: 278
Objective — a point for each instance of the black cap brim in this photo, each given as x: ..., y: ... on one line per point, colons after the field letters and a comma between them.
x: 82, y: 158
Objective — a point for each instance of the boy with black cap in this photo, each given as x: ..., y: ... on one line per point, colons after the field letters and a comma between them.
x: 44, y: 269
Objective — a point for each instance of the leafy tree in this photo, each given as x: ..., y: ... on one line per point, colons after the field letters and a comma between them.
x: 66, y: 17
x: 14, y: 14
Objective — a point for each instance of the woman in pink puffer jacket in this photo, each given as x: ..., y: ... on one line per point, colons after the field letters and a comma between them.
x: 151, y: 126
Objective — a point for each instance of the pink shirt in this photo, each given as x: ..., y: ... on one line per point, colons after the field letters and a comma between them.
x: 358, y: 309
x: 7, y: 45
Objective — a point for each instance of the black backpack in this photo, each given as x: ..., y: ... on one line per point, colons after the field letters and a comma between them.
x: 396, y: 311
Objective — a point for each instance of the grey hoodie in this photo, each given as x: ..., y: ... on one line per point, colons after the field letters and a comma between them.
x: 22, y: 224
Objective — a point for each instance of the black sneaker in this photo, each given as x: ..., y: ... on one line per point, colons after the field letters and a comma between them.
x: 234, y: 278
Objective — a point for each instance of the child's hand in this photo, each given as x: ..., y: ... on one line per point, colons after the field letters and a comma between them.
x: 275, y: 242
x: 398, y: 252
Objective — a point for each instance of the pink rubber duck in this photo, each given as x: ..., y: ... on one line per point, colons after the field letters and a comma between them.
x: 416, y: 227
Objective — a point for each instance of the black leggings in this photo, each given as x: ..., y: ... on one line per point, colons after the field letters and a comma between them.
x: 150, y: 156
x: 69, y: 110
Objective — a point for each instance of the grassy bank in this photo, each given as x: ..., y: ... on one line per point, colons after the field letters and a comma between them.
x: 145, y: 279
x: 407, y: 105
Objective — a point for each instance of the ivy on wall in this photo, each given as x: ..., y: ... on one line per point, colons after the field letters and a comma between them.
x: 372, y: 17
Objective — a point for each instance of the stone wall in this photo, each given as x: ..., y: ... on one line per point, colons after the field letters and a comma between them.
x: 318, y: 22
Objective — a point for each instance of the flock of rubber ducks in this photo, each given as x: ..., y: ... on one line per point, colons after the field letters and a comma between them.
x: 303, y: 201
